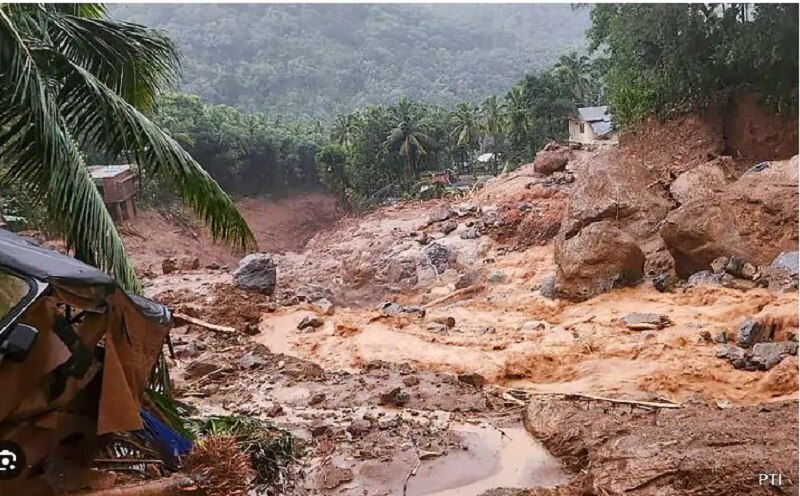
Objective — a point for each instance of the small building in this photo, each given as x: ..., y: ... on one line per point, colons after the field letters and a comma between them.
x: 591, y: 126
x: 117, y: 186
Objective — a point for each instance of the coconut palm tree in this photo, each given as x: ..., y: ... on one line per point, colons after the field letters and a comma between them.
x: 466, y: 128
x: 575, y: 71
x: 493, y: 118
x: 72, y: 80
x: 408, y: 138
x: 344, y: 127
x: 517, y: 118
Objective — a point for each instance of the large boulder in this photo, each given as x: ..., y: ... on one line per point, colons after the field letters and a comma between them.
x: 598, y: 258
x: 702, y: 181
x: 611, y: 188
x: 754, y: 218
x: 256, y: 272
x: 551, y: 159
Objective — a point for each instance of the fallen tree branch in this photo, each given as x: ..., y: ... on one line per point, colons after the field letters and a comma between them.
x: 180, y: 317
x: 649, y: 404
x: 166, y: 487
x: 454, y: 294
x: 410, y: 475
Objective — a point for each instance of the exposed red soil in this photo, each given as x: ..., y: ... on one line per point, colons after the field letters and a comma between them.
x: 279, y: 226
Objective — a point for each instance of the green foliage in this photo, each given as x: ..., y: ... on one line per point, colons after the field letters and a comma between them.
x: 332, y: 169
x: 245, y: 153
x: 271, y: 450
x: 319, y: 60
x: 70, y: 81
x: 671, y: 57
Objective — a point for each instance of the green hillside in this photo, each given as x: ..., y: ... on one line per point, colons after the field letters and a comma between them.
x: 315, y: 60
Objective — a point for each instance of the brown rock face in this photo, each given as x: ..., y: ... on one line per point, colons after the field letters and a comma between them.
x: 754, y: 218
x: 550, y: 161
x: 616, y: 190
x: 700, y: 182
x: 597, y: 259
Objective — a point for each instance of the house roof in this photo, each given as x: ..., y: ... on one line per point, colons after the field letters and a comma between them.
x: 594, y: 114
x: 597, y: 118
x: 601, y: 128
x: 107, y: 171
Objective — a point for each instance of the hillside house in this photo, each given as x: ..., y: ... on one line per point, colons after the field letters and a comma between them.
x: 117, y: 186
x: 592, y: 125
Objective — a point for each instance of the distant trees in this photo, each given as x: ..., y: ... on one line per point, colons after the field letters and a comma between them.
x: 246, y: 153
x: 663, y: 58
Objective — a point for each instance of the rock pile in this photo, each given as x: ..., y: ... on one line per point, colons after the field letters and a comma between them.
x: 755, y: 348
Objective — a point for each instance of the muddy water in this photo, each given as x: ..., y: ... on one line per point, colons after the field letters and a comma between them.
x: 493, y: 459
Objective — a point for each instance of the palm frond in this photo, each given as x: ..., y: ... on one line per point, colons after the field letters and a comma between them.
x: 43, y: 156
x: 133, y: 61
x: 103, y: 118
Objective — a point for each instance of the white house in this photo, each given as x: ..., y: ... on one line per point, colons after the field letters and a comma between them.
x: 592, y: 125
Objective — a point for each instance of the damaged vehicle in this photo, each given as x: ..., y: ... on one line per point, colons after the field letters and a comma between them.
x: 76, y: 355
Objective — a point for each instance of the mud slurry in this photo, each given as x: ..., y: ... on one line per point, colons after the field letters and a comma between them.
x: 372, y: 395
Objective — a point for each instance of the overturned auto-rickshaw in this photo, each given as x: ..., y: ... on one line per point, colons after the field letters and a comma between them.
x: 76, y: 354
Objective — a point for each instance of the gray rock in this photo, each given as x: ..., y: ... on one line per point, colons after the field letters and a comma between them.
x: 470, y: 233
x: 719, y: 264
x: 547, y: 287
x: 256, y: 272
x: 359, y: 427
x: 734, y: 266
x: 645, y: 321
x: 389, y: 308
x: 396, y: 397
x: 703, y: 278
x: 325, y: 306
x: 465, y: 209
x: 310, y: 321
x: 448, y: 227
x: 749, y: 332
x: 662, y: 282
x: 749, y: 271
x: 250, y: 361
x: 735, y: 355
x: 767, y: 355
x: 439, y: 256
x: 436, y: 327
x: 721, y: 337
x: 467, y: 279
x: 787, y: 260
x: 496, y: 277
x: 476, y: 380
x: 439, y: 215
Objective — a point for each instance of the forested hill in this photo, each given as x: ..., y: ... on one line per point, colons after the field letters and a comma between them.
x: 316, y: 60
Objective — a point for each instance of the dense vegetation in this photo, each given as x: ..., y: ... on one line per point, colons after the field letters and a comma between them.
x: 246, y: 153
x: 318, y: 60
x: 379, y: 151
x: 674, y: 57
